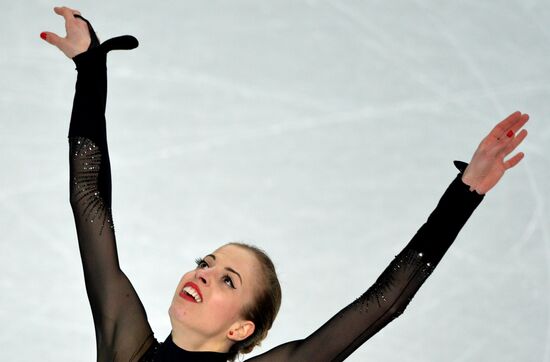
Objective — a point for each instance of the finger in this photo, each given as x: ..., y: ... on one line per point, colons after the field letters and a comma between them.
x: 66, y: 13
x: 53, y: 39
x: 518, y: 139
x: 75, y: 12
x: 516, y: 126
x: 504, y: 125
x: 513, y: 143
x: 513, y: 161
x: 513, y: 122
x: 520, y: 122
x: 65, y: 8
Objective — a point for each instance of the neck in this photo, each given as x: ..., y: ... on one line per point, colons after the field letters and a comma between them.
x: 190, y: 341
x: 171, y: 352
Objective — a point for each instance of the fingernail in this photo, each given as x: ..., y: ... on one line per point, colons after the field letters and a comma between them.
x: 510, y: 133
x: 43, y: 35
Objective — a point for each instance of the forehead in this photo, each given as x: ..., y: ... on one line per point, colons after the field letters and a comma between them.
x: 233, y: 253
x: 242, y: 260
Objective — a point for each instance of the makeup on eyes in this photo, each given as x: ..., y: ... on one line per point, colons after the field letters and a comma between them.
x: 200, y: 262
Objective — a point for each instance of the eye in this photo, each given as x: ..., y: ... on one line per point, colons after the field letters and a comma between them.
x: 227, y: 280
x: 201, y: 263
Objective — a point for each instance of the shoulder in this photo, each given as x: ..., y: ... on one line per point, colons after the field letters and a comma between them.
x: 151, y: 351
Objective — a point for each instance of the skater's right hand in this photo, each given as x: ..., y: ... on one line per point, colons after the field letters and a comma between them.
x: 78, y: 35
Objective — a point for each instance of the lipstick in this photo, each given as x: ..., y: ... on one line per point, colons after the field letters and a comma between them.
x: 196, y: 292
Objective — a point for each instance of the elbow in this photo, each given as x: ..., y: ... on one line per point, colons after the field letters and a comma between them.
x: 397, y: 310
x: 73, y: 200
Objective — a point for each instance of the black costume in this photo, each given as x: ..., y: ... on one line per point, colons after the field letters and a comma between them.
x: 122, y: 330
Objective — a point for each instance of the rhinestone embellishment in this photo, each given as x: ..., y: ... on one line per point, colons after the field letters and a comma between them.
x: 85, y: 168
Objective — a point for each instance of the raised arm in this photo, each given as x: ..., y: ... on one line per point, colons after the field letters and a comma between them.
x: 389, y: 296
x: 122, y: 330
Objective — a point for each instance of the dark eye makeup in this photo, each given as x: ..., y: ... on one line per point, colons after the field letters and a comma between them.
x: 201, y: 263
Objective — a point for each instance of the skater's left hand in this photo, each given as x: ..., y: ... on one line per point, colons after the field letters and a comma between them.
x: 487, y: 165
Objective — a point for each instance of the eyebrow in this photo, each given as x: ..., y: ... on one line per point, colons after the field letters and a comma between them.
x: 227, y: 268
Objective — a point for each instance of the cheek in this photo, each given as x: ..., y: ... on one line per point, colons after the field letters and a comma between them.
x: 186, y: 277
x: 226, y: 305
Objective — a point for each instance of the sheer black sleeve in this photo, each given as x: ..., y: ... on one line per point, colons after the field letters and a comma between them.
x: 121, y: 327
x: 388, y: 297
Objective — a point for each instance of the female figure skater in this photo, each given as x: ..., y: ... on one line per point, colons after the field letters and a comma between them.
x: 227, y: 304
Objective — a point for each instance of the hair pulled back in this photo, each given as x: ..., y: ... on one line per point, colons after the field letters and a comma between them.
x: 263, y: 310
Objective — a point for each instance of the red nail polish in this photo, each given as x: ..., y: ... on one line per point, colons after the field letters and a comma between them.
x: 510, y: 133
x: 43, y: 35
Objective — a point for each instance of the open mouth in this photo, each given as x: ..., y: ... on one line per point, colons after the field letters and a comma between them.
x: 191, y: 294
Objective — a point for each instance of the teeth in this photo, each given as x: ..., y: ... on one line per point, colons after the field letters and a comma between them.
x: 193, y: 293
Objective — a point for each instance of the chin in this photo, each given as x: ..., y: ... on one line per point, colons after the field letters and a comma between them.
x: 177, y: 312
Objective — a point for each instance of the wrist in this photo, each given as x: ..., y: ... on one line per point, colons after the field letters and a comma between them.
x: 91, y: 58
x: 472, y: 185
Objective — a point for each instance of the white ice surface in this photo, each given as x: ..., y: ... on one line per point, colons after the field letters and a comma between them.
x: 321, y: 131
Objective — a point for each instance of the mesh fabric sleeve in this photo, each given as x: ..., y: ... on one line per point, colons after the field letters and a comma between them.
x: 388, y: 297
x: 121, y: 327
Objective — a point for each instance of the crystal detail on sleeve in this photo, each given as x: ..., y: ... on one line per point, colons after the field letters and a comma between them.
x: 410, y: 264
x: 86, y: 159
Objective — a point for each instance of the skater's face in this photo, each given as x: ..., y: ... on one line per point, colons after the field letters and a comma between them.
x: 227, y: 281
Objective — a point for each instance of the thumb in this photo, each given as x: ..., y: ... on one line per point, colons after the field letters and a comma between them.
x: 52, y: 38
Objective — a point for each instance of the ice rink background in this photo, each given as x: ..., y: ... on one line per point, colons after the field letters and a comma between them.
x: 321, y: 131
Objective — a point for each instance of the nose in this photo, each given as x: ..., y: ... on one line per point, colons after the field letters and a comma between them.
x: 203, y: 276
